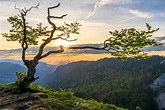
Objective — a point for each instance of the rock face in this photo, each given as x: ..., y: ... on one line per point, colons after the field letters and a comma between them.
x: 162, y: 62
x: 159, y: 85
x: 161, y: 101
x: 159, y: 82
x: 21, y: 101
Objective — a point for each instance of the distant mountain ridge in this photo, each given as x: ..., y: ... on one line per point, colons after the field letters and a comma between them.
x: 33, y: 50
x: 9, y: 67
x: 61, y: 71
x: 109, y: 80
x: 8, y: 72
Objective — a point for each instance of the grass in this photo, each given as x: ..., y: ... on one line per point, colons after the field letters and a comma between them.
x: 12, y: 86
x: 65, y: 100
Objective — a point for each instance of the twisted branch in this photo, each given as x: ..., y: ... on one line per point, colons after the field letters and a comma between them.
x: 52, y: 52
x: 58, y: 17
x: 50, y: 38
x: 23, y: 13
x: 66, y: 39
x: 88, y: 47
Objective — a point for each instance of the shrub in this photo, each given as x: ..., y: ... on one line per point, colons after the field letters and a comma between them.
x: 20, y: 76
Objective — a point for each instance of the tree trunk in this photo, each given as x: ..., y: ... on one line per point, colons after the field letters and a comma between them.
x: 24, y: 85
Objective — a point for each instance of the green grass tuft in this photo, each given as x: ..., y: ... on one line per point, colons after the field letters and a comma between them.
x: 65, y: 99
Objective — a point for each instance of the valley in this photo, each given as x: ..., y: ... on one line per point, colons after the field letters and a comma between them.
x: 126, y: 84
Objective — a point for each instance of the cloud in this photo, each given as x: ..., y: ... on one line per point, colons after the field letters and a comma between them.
x: 141, y: 14
x: 162, y: 14
x: 98, y: 5
x: 157, y: 48
x: 160, y: 39
x: 33, y: 50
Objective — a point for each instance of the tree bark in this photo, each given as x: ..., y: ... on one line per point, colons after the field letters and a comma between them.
x: 24, y: 85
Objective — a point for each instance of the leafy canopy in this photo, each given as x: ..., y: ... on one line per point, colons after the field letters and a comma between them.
x: 17, y: 28
x: 16, y: 33
x: 130, y: 42
x: 122, y: 43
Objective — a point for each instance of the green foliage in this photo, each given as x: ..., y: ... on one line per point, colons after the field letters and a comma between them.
x: 68, y: 29
x: 16, y: 33
x: 17, y: 29
x: 122, y: 44
x: 20, y: 76
x: 129, y: 42
x: 13, y: 85
x: 138, y: 108
x: 65, y: 100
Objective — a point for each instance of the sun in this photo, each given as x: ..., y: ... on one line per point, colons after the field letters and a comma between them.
x: 64, y: 43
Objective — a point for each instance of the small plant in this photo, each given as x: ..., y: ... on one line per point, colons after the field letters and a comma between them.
x: 138, y: 108
x: 20, y: 76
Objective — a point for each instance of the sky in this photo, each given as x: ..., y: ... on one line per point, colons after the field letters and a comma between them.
x: 97, y: 17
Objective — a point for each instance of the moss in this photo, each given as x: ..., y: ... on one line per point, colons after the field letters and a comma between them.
x: 65, y: 100
x: 13, y: 85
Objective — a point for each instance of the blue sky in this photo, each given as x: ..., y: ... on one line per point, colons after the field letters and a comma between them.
x: 97, y: 17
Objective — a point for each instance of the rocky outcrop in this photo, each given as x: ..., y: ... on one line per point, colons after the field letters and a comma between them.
x: 161, y: 101
x: 159, y: 82
x: 159, y: 85
x: 21, y: 101
x: 162, y: 62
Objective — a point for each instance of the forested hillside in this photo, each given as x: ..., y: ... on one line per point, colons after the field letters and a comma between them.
x: 110, y: 80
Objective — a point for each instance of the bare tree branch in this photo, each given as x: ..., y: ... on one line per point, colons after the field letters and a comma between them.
x: 17, y: 9
x: 66, y: 39
x: 49, y: 39
x: 88, y: 47
x: 24, y: 42
x: 106, y: 47
x: 54, y: 6
x: 27, y: 10
x: 23, y: 13
x: 52, y: 52
x: 59, y: 17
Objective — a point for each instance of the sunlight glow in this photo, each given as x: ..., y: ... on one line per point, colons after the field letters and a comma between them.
x: 64, y: 43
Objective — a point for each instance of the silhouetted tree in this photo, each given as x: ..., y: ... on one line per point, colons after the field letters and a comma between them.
x: 123, y: 43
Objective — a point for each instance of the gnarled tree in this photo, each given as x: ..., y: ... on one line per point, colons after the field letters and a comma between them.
x: 122, y: 44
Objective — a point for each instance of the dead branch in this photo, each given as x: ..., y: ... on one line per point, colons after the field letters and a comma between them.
x: 23, y: 13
